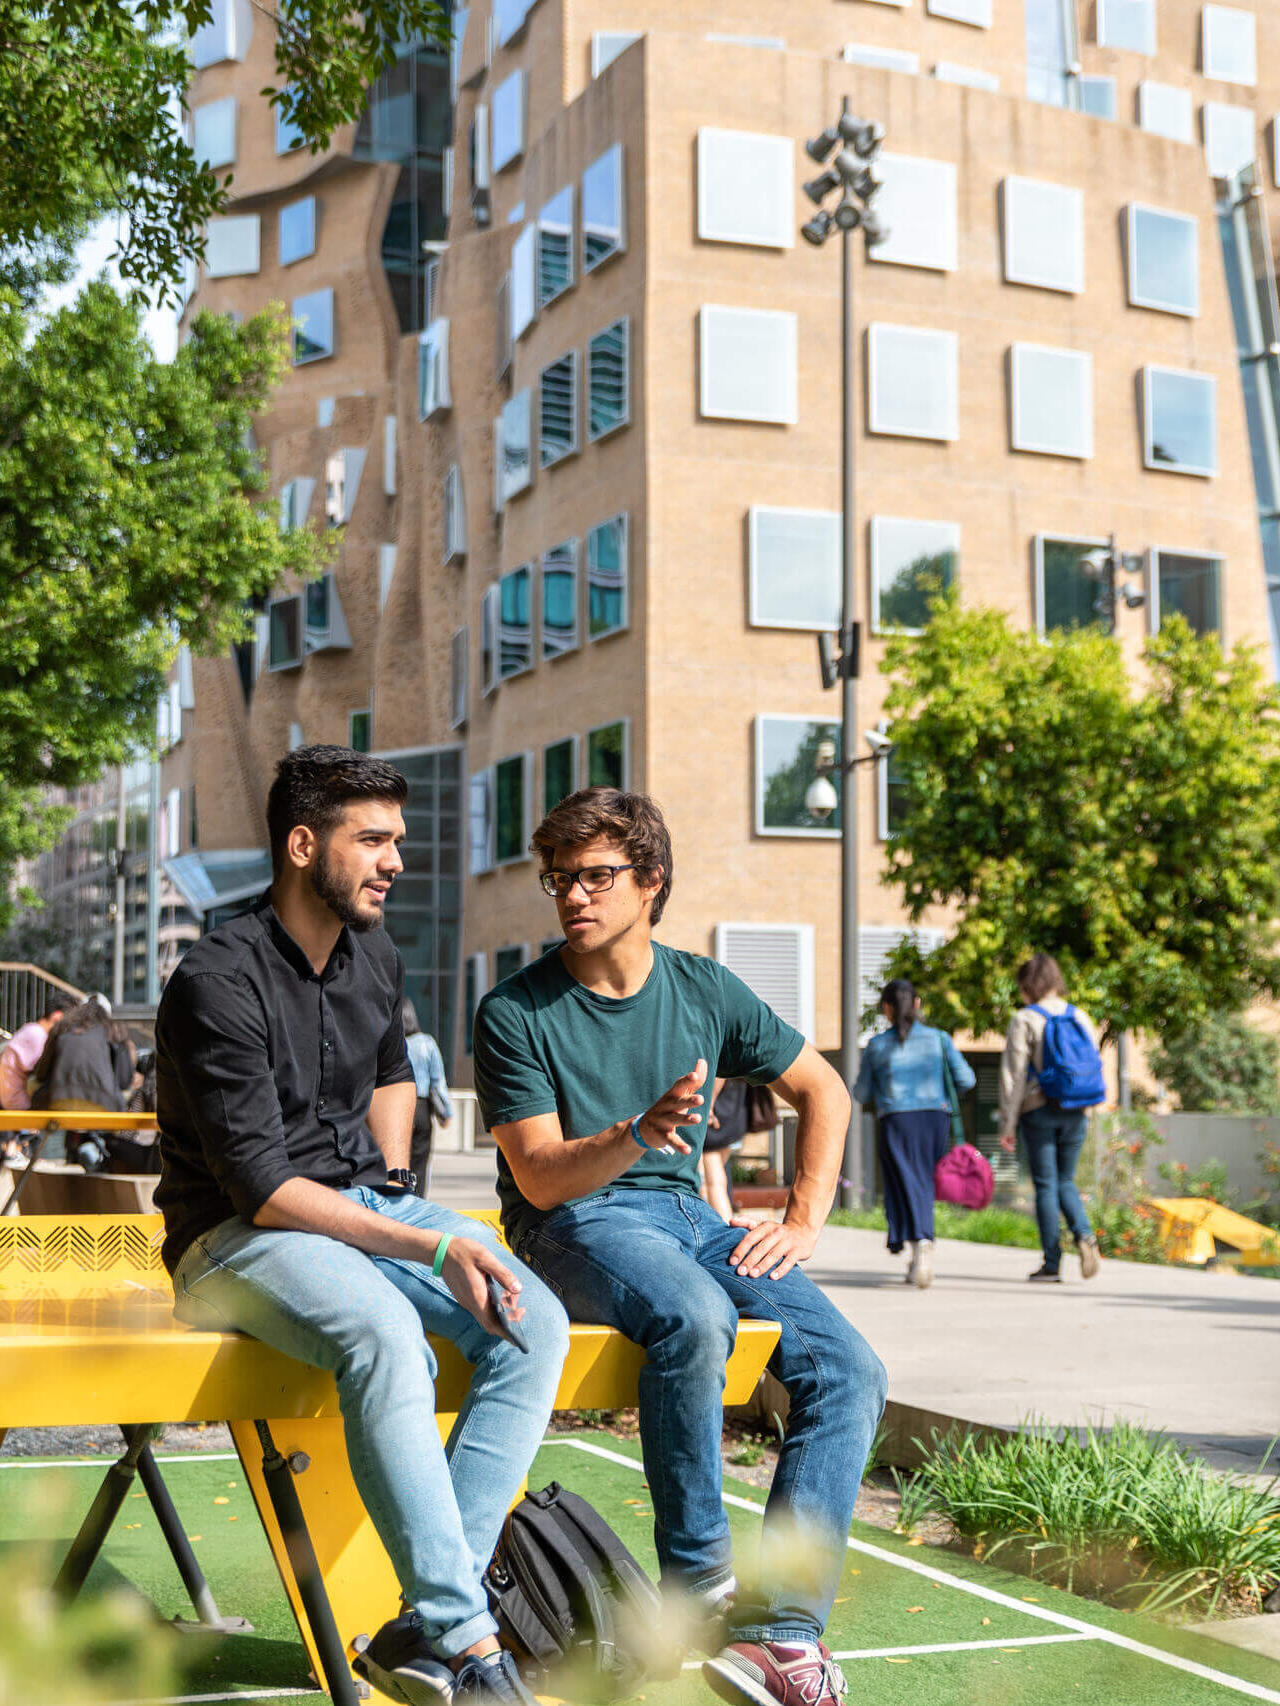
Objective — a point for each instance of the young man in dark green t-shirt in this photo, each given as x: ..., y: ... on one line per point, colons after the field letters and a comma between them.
x: 590, y: 1067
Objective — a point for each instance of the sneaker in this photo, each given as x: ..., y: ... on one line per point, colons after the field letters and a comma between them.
x: 909, y: 1278
x: 1046, y: 1275
x: 490, y: 1681
x: 1090, y: 1260
x: 776, y: 1673
x: 922, y: 1268
x: 400, y: 1664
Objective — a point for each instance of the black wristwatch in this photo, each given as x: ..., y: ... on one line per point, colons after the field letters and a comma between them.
x: 401, y: 1179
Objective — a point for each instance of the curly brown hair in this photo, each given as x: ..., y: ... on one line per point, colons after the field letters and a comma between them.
x: 634, y: 821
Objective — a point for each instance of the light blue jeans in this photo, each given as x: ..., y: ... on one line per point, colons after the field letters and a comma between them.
x: 438, y: 1509
x: 654, y: 1264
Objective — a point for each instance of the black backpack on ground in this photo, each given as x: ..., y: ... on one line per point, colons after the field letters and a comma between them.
x: 569, y: 1598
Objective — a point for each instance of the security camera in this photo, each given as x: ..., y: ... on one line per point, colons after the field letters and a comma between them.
x: 1095, y: 564
x: 821, y: 799
x: 879, y: 742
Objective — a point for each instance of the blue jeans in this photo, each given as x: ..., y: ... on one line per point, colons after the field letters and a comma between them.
x: 438, y: 1509
x: 1052, y: 1138
x: 654, y: 1264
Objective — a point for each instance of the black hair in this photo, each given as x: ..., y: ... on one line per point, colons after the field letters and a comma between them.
x: 409, y: 1018
x: 313, y: 786
x: 52, y: 1007
x: 900, y: 994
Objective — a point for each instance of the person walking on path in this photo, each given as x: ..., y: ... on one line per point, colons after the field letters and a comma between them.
x: 904, y: 1073
x: 727, y: 1122
x: 434, y: 1105
x: 1052, y: 1135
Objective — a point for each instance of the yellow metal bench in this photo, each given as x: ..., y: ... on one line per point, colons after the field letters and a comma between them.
x: 87, y: 1336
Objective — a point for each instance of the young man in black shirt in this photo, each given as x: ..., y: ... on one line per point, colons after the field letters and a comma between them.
x: 285, y: 1102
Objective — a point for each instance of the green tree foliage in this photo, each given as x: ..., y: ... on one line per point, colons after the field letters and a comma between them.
x: 1224, y: 1065
x: 1127, y: 828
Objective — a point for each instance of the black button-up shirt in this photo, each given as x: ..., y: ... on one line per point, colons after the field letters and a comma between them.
x: 264, y: 1069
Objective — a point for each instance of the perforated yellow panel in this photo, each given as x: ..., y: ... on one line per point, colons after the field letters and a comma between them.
x: 96, y: 1255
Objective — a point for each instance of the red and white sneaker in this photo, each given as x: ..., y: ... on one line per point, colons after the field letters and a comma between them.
x: 776, y: 1673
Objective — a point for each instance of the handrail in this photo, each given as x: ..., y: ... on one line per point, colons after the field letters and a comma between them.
x: 26, y: 990
x: 39, y: 971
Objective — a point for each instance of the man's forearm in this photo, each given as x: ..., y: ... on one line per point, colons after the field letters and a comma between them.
x: 390, y: 1121
x: 557, y: 1171
x: 820, y: 1134
x: 301, y: 1205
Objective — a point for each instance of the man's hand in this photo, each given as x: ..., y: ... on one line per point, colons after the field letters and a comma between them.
x: 1009, y: 1141
x: 658, y: 1123
x: 770, y: 1248
x: 466, y: 1263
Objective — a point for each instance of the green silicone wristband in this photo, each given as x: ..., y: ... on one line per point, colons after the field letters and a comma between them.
x: 441, y: 1247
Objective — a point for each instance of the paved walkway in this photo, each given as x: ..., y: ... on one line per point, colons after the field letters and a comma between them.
x: 1194, y: 1354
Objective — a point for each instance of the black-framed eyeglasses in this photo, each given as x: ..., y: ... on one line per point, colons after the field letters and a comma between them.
x: 595, y: 880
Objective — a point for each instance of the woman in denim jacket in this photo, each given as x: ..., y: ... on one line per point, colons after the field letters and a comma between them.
x: 902, y: 1073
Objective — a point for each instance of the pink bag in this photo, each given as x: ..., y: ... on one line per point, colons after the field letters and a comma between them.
x: 964, y: 1176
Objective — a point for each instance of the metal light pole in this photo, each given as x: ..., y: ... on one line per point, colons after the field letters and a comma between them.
x: 855, y: 144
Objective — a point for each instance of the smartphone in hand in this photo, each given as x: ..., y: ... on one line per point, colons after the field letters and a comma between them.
x: 508, y: 1326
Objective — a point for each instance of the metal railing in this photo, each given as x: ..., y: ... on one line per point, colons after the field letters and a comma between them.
x: 25, y: 992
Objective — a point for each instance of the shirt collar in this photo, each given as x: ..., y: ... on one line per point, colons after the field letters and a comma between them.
x: 290, y: 950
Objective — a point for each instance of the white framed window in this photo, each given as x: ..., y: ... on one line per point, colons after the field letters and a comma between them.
x: 431, y: 290
x: 917, y: 202
x: 555, y: 247
x: 457, y: 40
x: 324, y: 622
x: 459, y: 676
x: 502, y: 324
x: 284, y: 632
x: 524, y: 305
x: 1051, y: 401
x: 342, y: 473
x: 747, y: 365
x: 1180, y: 421
x: 912, y: 382
x: 480, y: 822
x: 1127, y: 23
x: 508, y: 20
x: 433, y: 370
x: 606, y: 45
x: 295, y: 501
x: 386, y: 574
x: 489, y: 639
x: 1043, y: 228
x: 288, y: 135
x: 746, y: 188
x: 171, y: 829
x: 1166, y: 110
x: 1229, y: 140
x: 891, y: 795
x: 1229, y: 44
x: 787, y: 750
x: 1097, y: 95
x: 948, y: 71
x: 560, y: 600
x: 232, y: 246
x: 560, y: 761
x: 360, y: 730
x: 226, y: 36
x: 325, y: 410
x: 882, y: 58
x: 775, y: 44
x: 1065, y: 597
x: 481, y: 158
x: 608, y: 602
x: 604, y: 232
x: 558, y: 410
x: 296, y: 737
x: 1163, y: 260
x: 609, y: 380
x: 1186, y: 584
x: 515, y: 471
x: 794, y: 569
x: 508, y: 121
x: 455, y: 516
x: 976, y: 12
x: 512, y: 808
x: 388, y: 456
x: 609, y: 755
x: 475, y: 986
x: 776, y: 963
x: 213, y: 132
x: 515, y: 622
x: 911, y: 563
x: 313, y: 334
x: 296, y: 230
x: 876, y: 946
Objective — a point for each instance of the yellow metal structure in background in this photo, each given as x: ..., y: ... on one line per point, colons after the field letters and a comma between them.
x: 1194, y: 1227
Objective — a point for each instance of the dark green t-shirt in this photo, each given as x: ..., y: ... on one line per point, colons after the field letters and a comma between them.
x: 545, y: 1045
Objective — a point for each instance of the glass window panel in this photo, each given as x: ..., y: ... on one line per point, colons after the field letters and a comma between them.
x: 1188, y: 586
x: 1052, y: 51
x: 284, y: 633
x: 480, y: 822
x: 360, y: 731
x: 559, y: 773
x: 1127, y: 23
x: 515, y: 622
x: 746, y: 188
x: 457, y: 40
x: 607, y: 756
x: 555, y: 247
x: 977, y: 12
x: 606, y: 45
x: 560, y: 600
x: 607, y: 578
x: 1043, y: 234
x: 515, y: 472
x: 508, y: 121
x: 882, y: 58
x: 225, y: 36
x: 1181, y: 421
x: 509, y: 815
x: 523, y: 273
x: 911, y: 563
x: 603, y: 228
x: 213, y: 132
x: 1097, y: 96
x: 455, y: 516
x: 507, y: 962
x: 312, y: 326
x: 1052, y: 400
x: 748, y: 365
x: 894, y: 796
x: 1065, y: 595
x: 608, y: 380
x: 459, y: 677
x: 1229, y: 44
x: 947, y: 71
x: 558, y: 410
x: 508, y: 20
x: 1166, y: 110
x: 912, y: 382
x: 787, y: 766
x: 489, y: 639
x: 297, y: 230
x: 288, y: 136
x: 917, y: 202
x: 433, y: 370
x: 232, y: 246
x: 1229, y: 141
x: 1164, y: 270
x: 794, y: 560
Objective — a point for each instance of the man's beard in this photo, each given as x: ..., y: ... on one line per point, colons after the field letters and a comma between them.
x: 328, y: 886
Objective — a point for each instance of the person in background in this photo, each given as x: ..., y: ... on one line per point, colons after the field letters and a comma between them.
x: 904, y: 1073
x: 727, y: 1122
x: 87, y: 1067
x: 433, y: 1102
x: 1052, y: 1136
x: 18, y: 1059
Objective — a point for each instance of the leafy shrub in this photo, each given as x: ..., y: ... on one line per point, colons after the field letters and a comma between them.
x: 1208, y: 1179
x: 1224, y: 1065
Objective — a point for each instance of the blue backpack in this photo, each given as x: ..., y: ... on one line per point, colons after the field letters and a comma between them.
x: 1071, y: 1073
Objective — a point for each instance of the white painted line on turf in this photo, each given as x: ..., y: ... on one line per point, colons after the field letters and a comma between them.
x: 240, y: 1694
x: 106, y: 1460
x: 942, y: 1647
x: 993, y: 1596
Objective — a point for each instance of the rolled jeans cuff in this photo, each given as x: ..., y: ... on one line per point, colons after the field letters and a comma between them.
x: 761, y: 1632
x: 464, y: 1635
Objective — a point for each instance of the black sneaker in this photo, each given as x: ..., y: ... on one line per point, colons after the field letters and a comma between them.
x: 490, y: 1681
x: 1046, y: 1276
x: 400, y: 1664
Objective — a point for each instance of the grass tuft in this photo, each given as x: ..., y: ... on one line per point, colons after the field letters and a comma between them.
x: 974, y: 1225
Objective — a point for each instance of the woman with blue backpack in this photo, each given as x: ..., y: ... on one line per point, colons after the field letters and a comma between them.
x: 1050, y: 1076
